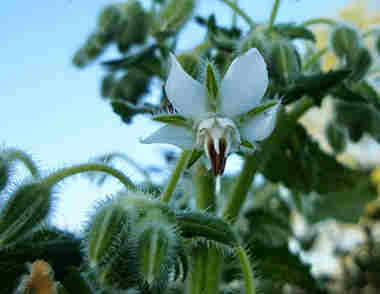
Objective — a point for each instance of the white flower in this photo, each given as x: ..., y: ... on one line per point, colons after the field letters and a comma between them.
x: 218, y: 118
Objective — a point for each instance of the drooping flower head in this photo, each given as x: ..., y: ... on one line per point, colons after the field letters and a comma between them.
x: 219, y: 118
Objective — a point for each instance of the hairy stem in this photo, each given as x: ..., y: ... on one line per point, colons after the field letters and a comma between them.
x: 239, y: 11
x: 274, y: 13
x: 12, y: 154
x: 321, y: 20
x: 175, y: 176
x: 63, y: 173
x: 204, y: 183
x: 313, y: 59
x: 246, y: 268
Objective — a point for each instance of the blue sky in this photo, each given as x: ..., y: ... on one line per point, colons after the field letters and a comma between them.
x: 53, y: 110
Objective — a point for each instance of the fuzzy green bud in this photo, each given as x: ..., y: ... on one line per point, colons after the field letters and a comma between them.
x: 174, y: 15
x: 92, y: 49
x: 110, y: 19
x: 157, y: 253
x: 285, y: 64
x: 110, y: 245
x: 25, y: 210
x: 131, y: 86
x: 360, y: 64
x: 135, y: 27
x: 189, y: 63
x: 4, y: 172
x: 336, y: 137
x: 345, y: 41
x: 256, y: 39
x: 108, y: 226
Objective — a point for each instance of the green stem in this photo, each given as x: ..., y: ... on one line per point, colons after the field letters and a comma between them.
x: 313, y: 59
x: 303, y: 105
x: 371, y: 32
x: 240, y: 12
x: 234, y: 16
x: 63, y: 173
x: 321, y: 20
x: 15, y: 154
x: 175, y: 176
x: 240, y: 191
x: 274, y: 13
x: 204, y: 183
x: 246, y: 268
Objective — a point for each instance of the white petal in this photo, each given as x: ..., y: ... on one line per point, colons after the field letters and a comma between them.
x: 172, y: 135
x: 187, y: 95
x: 244, y: 84
x: 261, y: 126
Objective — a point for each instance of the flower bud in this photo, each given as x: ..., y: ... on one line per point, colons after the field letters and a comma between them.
x: 360, y: 64
x: 174, y: 15
x: 4, y: 172
x: 27, y: 207
x: 136, y: 26
x: 110, y: 19
x: 345, y: 41
x: 285, y: 65
x: 189, y: 63
x: 131, y: 86
x: 92, y: 49
x: 110, y: 245
x: 336, y: 137
x: 157, y: 252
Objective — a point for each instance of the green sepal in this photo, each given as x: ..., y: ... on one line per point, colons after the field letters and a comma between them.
x: 157, y: 254
x: 294, y: 31
x: 196, y: 224
x: 110, y: 223
x: 75, y: 282
x: 336, y: 137
x: 245, y: 143
x: 195, y: 155
x: 315, y: 86
x: 4, y: 172
x: 173, y: 119
x: 212, y: 87
x: 257, y: 110
x: 25, y: 210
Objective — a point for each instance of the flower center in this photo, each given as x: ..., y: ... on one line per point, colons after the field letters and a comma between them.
x: 218, y: 137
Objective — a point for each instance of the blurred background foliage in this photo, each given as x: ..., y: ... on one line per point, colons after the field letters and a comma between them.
x: 313, y: 200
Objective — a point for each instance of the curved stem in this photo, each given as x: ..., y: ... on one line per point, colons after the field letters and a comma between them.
x: 371, y: 32
x: 313, y: 59
x: 12, y: 154
x: 303, y: 105
x: 246, y: 268
x: 239, y: 11
x: 86, y: 167
x: 321, y: 20
x: 240, y: 191
x: 175, y: 176
x: 274, y: 13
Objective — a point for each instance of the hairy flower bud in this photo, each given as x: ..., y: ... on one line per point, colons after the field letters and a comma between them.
x: 4, y: 172
x: 136, y: 26
x: 174, y: 15
x: 285, y: 65
x: 110, y: 19
x: 360, y: 64
x: 27, y: 207
x: 345, y: 41
x: 336, y: 137
x: 157, y: 252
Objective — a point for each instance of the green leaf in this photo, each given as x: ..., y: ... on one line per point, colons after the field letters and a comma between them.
x: 195, y: 155
x: 253, y: 112
x: 196, y: 224
x: 300, y: 164
x: 315, y: 86
x: 212, y: 87
x: 294, y: 31
x: 172, y: 119
x: 347, y: 205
